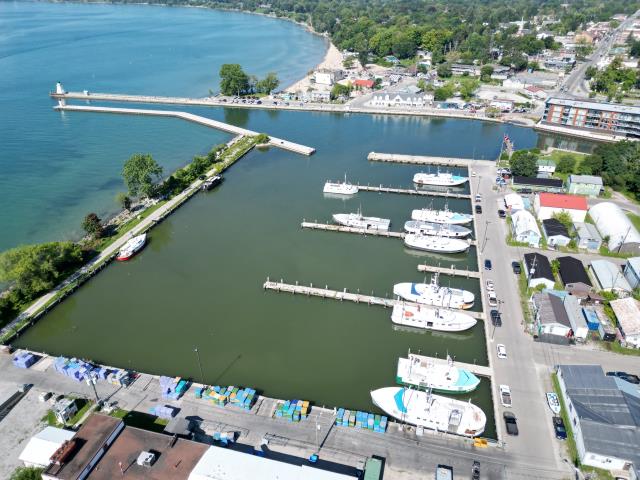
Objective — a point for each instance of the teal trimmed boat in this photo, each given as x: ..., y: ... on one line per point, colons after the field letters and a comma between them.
x: 425, y: 374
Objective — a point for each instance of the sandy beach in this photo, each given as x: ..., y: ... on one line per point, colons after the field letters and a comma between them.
x: 332, y: 61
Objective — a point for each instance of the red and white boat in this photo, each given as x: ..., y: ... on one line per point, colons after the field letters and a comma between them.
x: 132, y: 247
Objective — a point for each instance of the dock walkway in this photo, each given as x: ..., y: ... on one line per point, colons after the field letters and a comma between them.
x: 421, y: 159
x: 409, y: 191
x: 343, y: 294
x: 190, y: 117
x: 362, y: 231
x: 449, y: 271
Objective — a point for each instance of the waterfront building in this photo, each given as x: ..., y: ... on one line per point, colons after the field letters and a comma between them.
x: 327, y: 77
x: 556, y: 233
x: 632, y: 272
x: 614, y: 119
x: 400, y: 99
x: 627, y: 311
x: 547, y: 205
x: 605, y: 420
x: 524, y: 228
x: 587, y: 236
x: 590, y: 185
x: 502, y: 104
x: 613, y: 223
x: 609, y: 277
x: 538, y: 270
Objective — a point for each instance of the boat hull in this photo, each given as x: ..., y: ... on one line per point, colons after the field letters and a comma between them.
x: 417, y: 371
x: 438, y: 216
x: 439, y: 180
x: 439, y: 229
x: 366, y: 223
x: 435, y: 244
x: 430, y: 318
x: 131, y: 248
x: 340, y: 188
x: 445, y: 297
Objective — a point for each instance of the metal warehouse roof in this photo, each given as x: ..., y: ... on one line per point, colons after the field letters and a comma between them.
x: 627, y: 312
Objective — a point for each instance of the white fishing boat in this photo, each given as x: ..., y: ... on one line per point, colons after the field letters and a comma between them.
x: 432, y: 243
x: 357, y: 220
x: 427, y: 410
x: 423, y: 373
x: 441, y: 216
x: 431, y: 318
x: 133, y: 246
x: 434, y: 294
x: 439, y: 229
x: 340, y: 188
x: 441, y: 179
x: 554, y: 402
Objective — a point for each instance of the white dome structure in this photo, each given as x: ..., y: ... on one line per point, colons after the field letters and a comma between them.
x: 613, y: 223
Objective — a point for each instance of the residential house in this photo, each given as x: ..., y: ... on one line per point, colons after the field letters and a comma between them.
x: 556, y: 233
x: 571, y: 304
x: 560, y: 61
x: 548, y: 204
x: 631, y: 272
x: 399, y: 99
x: 538, y: 270
x: 550, y: 320
x: 587, y: 236
x: 590, y: 185
x: 609, y: 278
x: 537, y: 184
x: 535, y: 92
x: 503, y: 105
x: 605, y: 421
x: 546, y: 165
x: 461, y: 69
x: 363, y: 84
x: 573, y: 275
x: 391, y: 59
x: 524, y: 228
x: 320, y: 96
x: 65, y: 409
x: 627, y: 311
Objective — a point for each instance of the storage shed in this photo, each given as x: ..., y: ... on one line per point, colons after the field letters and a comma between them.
x: 42, y: 446
x: 556, y: 233
x: 588, y: 236
x: 627, y: 311
x: 613, y: 223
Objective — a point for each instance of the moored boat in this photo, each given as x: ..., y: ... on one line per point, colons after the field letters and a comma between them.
x: 440, y: 229
x: 432, y: 243
x: 340, y: 188
x: 431, y: 318
x: 133, y: 246
x: 441, y: 216
x: 211, y: 182
x: 434, y: 294
x: 357, y: 220
x: 422, y: 372
x: 441, y: 179
x: 554, y: 402
x: 427, y: 410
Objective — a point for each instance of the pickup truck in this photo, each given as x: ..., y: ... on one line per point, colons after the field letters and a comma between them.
x: 505, y: 396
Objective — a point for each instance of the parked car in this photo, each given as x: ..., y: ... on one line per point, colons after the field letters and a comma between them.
x: 627, y: 377
x: 558, y: 428
x: 475, y: 470
x: 490, y: 286
x: 502, y: 213
x: 511, y: 423
x: 505, y: 396
x: 478, y: 198
x: 478, y: 208
x: 487, y: 264
x: 516, y: 267
x: 496, y: 318
x: 501, y: 350
x: 493, y: 300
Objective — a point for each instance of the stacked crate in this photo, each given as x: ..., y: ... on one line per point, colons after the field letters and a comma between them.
x: 25, y: 359
x: 364, y: 420
x: 243, y: 398
x: 172, y: 388
x: 163, y: 411
x: 292, y: 410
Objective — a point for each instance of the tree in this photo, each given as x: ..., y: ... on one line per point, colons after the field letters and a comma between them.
x: 26, y: 473
x: 468, y: 86
x: 340, y: 90
x: 583, y: 49
x: 140, y: 173
x: 92, y: 225
x: 123, y: 200
x: 485, y: 73
x: 268, y: 83
x: 442, y: 93
x: 444, y: 70
x: 347, y: 62
x: 422, y: 84
x: 634, y: 49
x: 524, y: 163
x: 566, y: 164
x: 233, y: 80
x: 564, y: 218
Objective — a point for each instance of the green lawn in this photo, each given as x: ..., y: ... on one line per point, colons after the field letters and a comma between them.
x: 556, y: 155
x: 635, y: 219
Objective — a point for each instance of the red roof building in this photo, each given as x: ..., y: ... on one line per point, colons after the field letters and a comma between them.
x: 364, y: 83
x: 548, y: 204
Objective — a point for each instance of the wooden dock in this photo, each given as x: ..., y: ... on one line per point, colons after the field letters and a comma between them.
x: 362, y: 231
x: 421, y: 159
x: 207, y: 122
x: 406, y: 191
x: 453, y: 271
x: 343, y: 294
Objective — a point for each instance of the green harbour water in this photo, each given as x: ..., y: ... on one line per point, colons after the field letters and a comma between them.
x: 198, y: 283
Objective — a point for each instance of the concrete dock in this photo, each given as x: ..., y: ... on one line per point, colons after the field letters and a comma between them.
x: 362, y: 231
x: 343, y: 294
x: 207, y: 122
x: 421, y: 159
x: 407, y: 191
x: 452, y: 270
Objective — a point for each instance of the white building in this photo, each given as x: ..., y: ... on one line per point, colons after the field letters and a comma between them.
x: 326, y: 77
x: 587, y: 236
x: 503, y: 105
x: 627, y: 312
x: 609, y: 277
x: 604, y: 420
x: 513, y: 202
x: 632, y: 272
x: 524, y: 228
x: 42, y: 446
x: 400, y: 99
x: 613, y: 223
x: 547, y: 205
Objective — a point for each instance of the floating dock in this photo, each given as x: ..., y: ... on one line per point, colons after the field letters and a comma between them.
x: 342, y: 228
x: 407, y: 191
x: 453, y: 271
x: 343, y: 294
x: 420, y: 159
x: 207, y: 122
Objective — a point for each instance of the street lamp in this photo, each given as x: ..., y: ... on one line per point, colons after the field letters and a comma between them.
x: 199, y: 364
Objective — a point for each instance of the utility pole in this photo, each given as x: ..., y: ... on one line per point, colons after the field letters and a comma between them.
x: 484, y: 240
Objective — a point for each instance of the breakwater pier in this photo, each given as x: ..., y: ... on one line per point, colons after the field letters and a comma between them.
x: 207, y: 122
x: 421, y: 160
x: 412, y: 191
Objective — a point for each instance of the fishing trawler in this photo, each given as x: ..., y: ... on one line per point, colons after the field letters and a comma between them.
x: 439, y: 229
x: 132, y: 247
x: 441, y: 216
x: 357, y: 220
x: 431, y: 243
x: 427, y: 410
x: 423, y: 373
x: 340, y: 188
x: 430, y: 318
x: 440, y: 179
x: 434, y: 294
